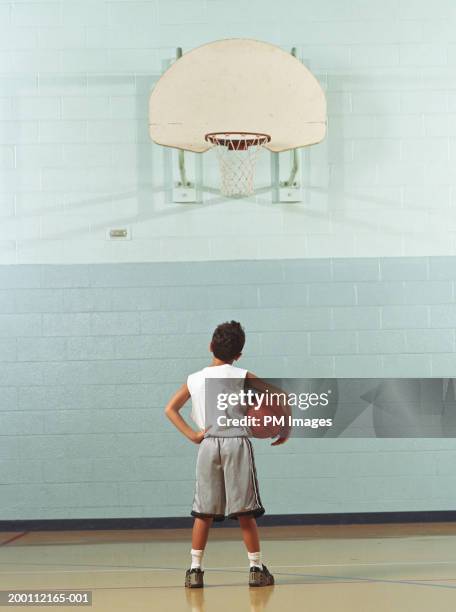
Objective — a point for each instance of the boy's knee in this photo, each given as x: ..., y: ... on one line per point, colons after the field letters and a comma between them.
x: 203, y: 519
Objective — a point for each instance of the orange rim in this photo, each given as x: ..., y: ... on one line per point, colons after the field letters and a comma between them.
x: 227, y: 139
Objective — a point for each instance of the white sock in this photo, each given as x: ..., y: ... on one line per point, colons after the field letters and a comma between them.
x: 255, y: 559
x: 197, y: 557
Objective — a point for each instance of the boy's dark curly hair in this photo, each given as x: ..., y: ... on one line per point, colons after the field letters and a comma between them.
x: 228, y: 340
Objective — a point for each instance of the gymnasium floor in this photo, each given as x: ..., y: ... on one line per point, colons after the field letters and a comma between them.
x: 318, y: 568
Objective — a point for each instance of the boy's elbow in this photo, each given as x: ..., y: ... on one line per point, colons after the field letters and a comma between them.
x: 168, y: 411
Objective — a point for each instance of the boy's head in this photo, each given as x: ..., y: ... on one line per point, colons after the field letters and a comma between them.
x: 228, y: 341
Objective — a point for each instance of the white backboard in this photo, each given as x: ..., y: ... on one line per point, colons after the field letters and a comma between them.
x: 237, y: 85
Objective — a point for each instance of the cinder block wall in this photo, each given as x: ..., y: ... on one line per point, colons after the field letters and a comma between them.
x: 76, y: 158
x: 91, y: 353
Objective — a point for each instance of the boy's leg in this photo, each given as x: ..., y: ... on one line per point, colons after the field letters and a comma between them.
x: 208, y: 503
x: 259, y: 573
x: 250, y: 535
x: 251, y: 539
x: 194, y: 575
x: 200, y: 532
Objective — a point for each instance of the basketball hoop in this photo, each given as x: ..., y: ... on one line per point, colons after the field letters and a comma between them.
x: 237, y: 153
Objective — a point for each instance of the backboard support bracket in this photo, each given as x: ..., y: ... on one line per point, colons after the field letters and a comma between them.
x: 184, y: 191
x: 290, y: 189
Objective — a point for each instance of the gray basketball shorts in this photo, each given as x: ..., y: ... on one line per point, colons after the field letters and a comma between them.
x: 226, y: 480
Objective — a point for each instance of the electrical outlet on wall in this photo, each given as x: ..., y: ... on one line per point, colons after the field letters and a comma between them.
x: 118, y: 233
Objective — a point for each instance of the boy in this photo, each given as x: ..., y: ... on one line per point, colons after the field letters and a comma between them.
x: 226, y: 482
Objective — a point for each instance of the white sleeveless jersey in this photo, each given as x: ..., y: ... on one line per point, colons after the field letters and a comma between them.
x: 196, y: 384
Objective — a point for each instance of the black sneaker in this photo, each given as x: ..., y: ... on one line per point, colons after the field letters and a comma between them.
x: 260, y: 577
x: 194, y: 578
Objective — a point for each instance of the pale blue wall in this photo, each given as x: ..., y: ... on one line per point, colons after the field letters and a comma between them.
x: 91, y: 353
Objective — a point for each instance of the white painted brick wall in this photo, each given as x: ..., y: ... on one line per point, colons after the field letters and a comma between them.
x: 74, y: 84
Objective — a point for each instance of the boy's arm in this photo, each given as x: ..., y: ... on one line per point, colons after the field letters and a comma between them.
x: 261, y: 385
x: 172, y: 412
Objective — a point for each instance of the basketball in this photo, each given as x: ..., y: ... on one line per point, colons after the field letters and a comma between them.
x: 264, y: 421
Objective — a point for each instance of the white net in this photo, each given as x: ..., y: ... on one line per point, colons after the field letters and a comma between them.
x: 237, y: 154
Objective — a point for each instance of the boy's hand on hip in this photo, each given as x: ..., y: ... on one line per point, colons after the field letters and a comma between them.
x: 198, y: 436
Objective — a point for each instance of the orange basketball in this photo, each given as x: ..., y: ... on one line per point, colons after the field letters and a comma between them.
x: 264, y: 425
